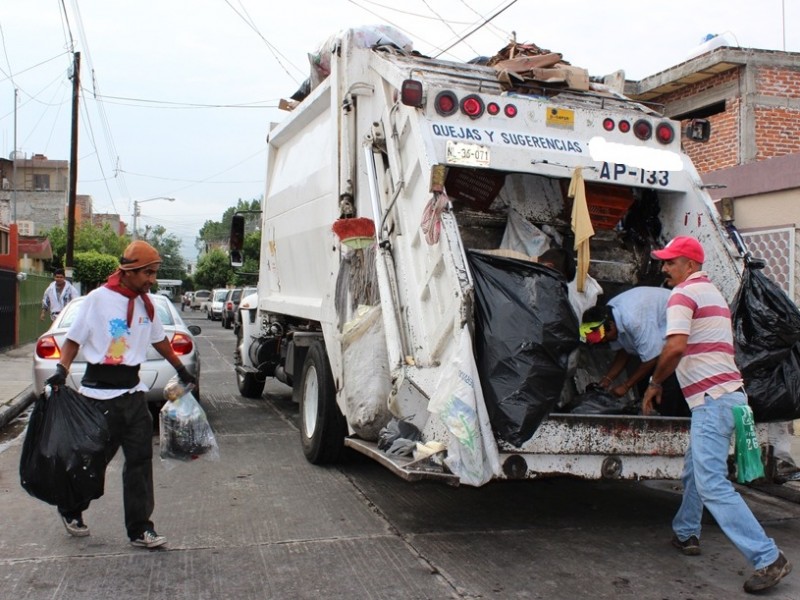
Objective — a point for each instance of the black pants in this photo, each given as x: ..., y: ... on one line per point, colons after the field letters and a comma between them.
x: 131, y: 427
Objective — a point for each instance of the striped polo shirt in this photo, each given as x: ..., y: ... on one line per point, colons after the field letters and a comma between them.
x: 697, y: 309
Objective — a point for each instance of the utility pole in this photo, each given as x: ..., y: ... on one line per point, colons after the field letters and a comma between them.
x: 73, y: 165
x: 14, y: 159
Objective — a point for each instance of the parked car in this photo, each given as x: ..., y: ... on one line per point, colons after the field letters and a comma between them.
x: 216, y: 303
x: 246, y: 292
x: 154, y: 372
x: 166, y: 292
x: 200, y: 299
x: 230, y: 306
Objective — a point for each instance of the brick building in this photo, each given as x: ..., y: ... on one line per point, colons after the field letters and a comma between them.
x: 752, y: 161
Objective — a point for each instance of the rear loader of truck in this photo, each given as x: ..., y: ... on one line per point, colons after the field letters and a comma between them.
x: 406, y: 202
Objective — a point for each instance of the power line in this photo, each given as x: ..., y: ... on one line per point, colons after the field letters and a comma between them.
x: 487, y: 20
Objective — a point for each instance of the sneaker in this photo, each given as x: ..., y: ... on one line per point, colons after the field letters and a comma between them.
x: 149, y: 539
x: 770, y: 575
x: 75, y: 526
x: 690, y: 547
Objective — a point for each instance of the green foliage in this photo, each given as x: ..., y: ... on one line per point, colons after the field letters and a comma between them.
x: 88, y: 238
x: 213, y: 270
x: 247, y: 274
x: 214, y: 233
x: 93, y: 268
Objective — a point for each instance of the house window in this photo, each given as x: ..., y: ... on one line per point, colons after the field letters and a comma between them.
x: 41, y: 183
x: 4, y: 242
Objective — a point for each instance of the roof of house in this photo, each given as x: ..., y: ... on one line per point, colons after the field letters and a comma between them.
x: 35, y: 247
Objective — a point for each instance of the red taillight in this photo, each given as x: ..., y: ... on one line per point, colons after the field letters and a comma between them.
x: 624, y: 126
x: 229, y: 305
x: 411, y: 93
x: 608, y: 124
x: 47, y: 347
x: 472, y: 106
x: 181, y: 344
x: 493, y: 108
x: 446, y: 103
x: 665, y: 133
x: 510, y: 110
x: 642, y: 129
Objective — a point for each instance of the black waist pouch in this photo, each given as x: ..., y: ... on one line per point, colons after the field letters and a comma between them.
x: 111, y: 377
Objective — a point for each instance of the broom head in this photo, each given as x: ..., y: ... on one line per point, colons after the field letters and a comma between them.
x: 357, y: 233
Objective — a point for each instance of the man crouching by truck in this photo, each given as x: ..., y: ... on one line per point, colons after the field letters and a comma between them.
x: 699, y: 348
x: 115, y: 326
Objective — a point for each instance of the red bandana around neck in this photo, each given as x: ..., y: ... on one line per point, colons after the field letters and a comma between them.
x: 113, y: 283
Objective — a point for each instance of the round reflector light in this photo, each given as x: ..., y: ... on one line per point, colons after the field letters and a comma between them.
x: 510, y: 110
x: 608, y: 124
x: 493, y: 108
x: 665, y: 133
x: 624, y: 126
x: 643, y: 129
x: 472, y: 106
x: 446, y: 103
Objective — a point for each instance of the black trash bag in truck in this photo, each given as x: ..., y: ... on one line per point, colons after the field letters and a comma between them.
x: 63, y: 459
x: 766, y: 337
x: 525, y: 330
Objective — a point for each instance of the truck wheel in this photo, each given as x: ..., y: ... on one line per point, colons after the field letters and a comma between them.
x: 322, y: 426
x: 249, y: 385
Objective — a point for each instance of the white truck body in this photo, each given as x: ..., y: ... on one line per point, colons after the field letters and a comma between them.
x: 352, y: 136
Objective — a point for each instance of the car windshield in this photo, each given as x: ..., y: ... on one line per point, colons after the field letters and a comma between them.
x: 219, y: 296
x: 249, y: 290
x: 161, y: 304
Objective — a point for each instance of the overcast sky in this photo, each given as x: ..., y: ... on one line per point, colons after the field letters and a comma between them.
x: 178, y: 94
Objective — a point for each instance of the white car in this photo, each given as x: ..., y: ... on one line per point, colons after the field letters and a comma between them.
x: 216, y: 304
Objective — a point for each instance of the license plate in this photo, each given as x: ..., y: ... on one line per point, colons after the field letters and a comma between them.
x: 473, y: 155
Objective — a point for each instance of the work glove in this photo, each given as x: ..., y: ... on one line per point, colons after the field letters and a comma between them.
x: 59, y: 377
x: 186, y: 378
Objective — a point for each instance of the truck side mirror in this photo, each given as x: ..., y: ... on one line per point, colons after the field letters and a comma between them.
x: 236, y: 243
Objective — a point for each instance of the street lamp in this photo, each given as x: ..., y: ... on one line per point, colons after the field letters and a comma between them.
x: 136, y: 204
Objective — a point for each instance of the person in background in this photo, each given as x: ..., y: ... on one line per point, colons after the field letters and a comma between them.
x: 634, y: 323
x: 699, y: 348
x: 57, y: 295
x: 114, y: 328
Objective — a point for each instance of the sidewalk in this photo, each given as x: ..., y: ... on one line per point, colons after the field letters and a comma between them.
x: 16, y: 373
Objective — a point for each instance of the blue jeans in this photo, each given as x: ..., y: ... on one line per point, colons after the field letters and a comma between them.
x: 705, y: 483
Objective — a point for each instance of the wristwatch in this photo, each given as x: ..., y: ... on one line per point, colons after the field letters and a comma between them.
x: 652, y: 383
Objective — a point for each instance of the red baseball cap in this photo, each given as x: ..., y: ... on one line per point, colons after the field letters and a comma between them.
x: 684, y: 246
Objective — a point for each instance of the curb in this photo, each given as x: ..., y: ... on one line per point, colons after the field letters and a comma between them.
x: 22, y: 401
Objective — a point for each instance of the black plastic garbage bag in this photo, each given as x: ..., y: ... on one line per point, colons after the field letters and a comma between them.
x: 525, y: 330
x: 766, y: 335
x: 63, y: 458
x: 597, y: 401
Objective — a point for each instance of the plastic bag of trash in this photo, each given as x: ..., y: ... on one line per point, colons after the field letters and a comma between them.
x: 525, y: 331
x: 63, y: 458
x: 748, y: 451
x: 185, y: 432
x: 766, y: 335
x: 597, y: 401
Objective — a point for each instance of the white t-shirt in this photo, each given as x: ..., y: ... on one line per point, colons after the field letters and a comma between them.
x: 101, y: 329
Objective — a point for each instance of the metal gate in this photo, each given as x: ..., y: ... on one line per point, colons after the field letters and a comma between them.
x: 8, y: 308
x: 30, y: 305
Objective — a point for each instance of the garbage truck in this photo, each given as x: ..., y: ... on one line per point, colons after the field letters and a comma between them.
x: 400, y: 293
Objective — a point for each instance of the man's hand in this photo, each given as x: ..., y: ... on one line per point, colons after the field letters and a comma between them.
x: 59, y: 377
x: 620, y: 390
x: 186, y: 377
x: 651, y: 395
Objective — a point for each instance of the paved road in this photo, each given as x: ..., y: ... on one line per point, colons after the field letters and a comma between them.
x: 263, y: 523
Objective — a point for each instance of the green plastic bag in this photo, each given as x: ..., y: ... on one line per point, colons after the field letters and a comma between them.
x: 748, y: 452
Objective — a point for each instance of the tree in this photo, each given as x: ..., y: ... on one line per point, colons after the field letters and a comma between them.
x: 93, y: 268
x: 247, y: 274
x: 169, y: 248
x: 213, y: 270
x: 216, y: 233
x: 88, y: 238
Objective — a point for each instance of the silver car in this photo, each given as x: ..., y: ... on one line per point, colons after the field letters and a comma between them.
x: 155, y: 372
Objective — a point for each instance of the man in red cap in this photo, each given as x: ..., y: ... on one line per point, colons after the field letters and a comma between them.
x: 699, y: 348
x: 115, y: 326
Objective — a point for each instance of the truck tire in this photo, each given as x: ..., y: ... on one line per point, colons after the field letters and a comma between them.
x: 322, y: 426
x: 249, y: 385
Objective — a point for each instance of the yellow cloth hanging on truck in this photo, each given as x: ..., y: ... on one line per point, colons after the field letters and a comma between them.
x: 581, y: 226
